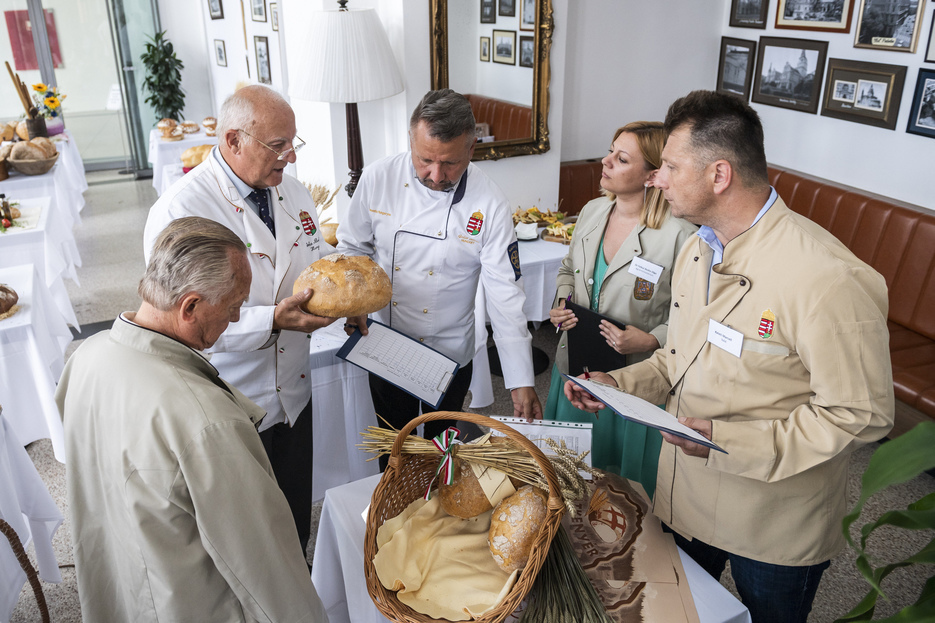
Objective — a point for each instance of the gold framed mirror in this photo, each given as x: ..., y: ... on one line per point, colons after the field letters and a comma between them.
x: 515, y: 44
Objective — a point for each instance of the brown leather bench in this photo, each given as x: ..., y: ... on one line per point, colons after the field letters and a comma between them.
x: 506, y: 119
x: 897, y: 239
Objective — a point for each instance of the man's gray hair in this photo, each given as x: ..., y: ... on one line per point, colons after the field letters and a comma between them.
x: 239, y: 110
x: 192, y: 254
x: 447, y: 113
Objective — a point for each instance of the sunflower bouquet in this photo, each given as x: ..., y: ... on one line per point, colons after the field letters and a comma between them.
x: 48, y: 100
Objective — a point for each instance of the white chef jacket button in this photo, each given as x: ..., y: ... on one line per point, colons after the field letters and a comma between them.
x: 394, y: 303
x: 439, y: 233
x: 431, y: 272
x: 421, y: 339
x: 397, y: 268
x: 425, y: 311
x: 590, y: 282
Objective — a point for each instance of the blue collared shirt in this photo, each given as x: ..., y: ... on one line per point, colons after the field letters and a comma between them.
x: 707, y: 234
x: 242, y: 187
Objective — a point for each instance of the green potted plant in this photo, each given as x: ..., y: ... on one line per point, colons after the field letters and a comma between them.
x: 163, y: 78
x: 895, y: 462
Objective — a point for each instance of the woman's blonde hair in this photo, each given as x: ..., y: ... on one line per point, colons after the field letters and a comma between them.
x: 651, y: 138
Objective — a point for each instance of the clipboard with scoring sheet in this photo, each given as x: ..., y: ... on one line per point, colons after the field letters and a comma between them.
x: 413, y: 367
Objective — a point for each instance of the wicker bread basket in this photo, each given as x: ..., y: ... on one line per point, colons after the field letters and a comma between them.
x: 405, y: 480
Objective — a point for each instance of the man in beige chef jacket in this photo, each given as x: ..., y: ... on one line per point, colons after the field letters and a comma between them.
x: 176, y: 514
x: 777, y: 351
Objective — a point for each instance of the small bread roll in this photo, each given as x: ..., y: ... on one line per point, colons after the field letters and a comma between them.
x: 193, y: 156
x: 166, y: 126
x: 47, y: 146
x: 464, y: 497
x: 25, y: 150
x: 5, y: 151
x: 8, y: 131
x: 175, y: 134
x: 514, y: 524
x: 344, y: 286
x: 210, y: 124
x: 330, y: 233
x: 22, y: 131
x: 189, y: 127
x: 8, y: 298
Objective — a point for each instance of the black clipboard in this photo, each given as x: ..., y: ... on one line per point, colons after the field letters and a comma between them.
x: 586, y: 345
x: 403, y: 345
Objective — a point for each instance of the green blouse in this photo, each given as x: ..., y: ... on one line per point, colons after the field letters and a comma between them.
x: 600, y: 269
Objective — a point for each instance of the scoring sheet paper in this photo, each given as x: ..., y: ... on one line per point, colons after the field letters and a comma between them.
x: 576, y: 435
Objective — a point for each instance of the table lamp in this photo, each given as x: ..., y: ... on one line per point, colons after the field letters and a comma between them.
x: 349, y: 60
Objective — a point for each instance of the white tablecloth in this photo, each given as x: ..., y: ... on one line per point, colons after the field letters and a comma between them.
x: 32, y: 355
x: 539, y: 261
x: 50, y: 246
x: 342, y: 408
x: 338, y: 568
x: 162, y: 153
x: 26, y: 505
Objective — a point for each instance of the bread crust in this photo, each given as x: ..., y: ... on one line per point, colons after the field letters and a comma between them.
x: 344, y: 285
x: 8, y: 298
x: 464, y: 497
x: 514, y: 525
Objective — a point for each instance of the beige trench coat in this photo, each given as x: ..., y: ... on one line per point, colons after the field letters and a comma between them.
x: 790, y: 409
x: 617, y: 299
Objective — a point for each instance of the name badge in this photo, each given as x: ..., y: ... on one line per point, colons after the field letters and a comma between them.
x: 724, y: 337
x: 645, y: 270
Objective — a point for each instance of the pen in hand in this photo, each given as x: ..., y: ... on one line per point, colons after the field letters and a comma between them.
x: 568, y: 300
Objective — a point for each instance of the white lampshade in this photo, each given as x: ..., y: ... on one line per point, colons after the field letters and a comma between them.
x: 346, y: 58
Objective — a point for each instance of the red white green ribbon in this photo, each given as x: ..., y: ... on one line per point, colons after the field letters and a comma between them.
x: 444, y: 443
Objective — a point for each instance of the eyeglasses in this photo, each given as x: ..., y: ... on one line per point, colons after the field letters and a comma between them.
x: 281, y: 155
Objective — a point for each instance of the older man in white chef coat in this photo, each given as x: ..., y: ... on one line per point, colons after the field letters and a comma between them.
x: 241, y: 185
x: 438, y: 226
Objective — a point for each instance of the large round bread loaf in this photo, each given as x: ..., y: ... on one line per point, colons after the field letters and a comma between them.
x: 464, y: 497
x: 344, y: 285
x: 514, y: 524
x: 47, y: 146
x: 24, y: 150
x: 8, y: 298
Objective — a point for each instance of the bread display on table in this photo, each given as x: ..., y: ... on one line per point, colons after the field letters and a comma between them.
x: 514, y: 524
x: 8, y: 298
x: 344, y: 286
x: 22, y: 131
x: 26, y: 150
x: 189, y: 127
x: 8, y: 131
x: 193, y: 156
x: 210, y: 124
x: 464, y: 497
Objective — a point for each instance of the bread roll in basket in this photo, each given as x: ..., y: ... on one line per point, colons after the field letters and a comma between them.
x: 344, y: 285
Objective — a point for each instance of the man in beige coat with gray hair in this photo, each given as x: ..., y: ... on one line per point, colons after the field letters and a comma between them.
x: 777, y: 351
x: 176, y: 514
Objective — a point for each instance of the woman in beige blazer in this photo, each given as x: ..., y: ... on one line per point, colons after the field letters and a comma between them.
x: 627, y: 231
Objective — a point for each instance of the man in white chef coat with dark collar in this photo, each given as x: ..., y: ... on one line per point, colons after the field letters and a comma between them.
x: 439, y: 226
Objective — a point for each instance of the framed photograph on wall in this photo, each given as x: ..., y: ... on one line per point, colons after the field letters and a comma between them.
x: 889, y: 25
x: 930, y: 50
x: 507, y: 8
x: 504, y: 47
x: 922, y: 114
x: 220, y: 53
x: 789, y: 72
x: 735, y: 69
x: 485, y: 48
x: 861, y: 92
x: 215, y: 9
x: 748, y: 13
x: 262, y: 60
x: 274, y: 15
x: 528, y: 15
x: 527, y: 51
x: 258, y: 10
x: 825, y: 16
x: 488, y: 11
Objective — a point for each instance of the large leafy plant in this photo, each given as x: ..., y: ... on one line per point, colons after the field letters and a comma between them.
x: 893, y: 463
x: 163, y: 78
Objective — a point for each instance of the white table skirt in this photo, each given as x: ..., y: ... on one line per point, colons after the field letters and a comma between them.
x: 338, y: 568
x: 26, y: 505
x: 32, y: 356
x: 50, y: 246
x: 539, y: 261
x: 342, y: 408
x: 162, y: 153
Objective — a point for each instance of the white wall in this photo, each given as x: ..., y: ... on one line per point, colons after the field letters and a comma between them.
x: 889, y: 162
x: 185, y: 28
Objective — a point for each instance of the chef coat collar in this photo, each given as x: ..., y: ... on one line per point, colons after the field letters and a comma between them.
x: 707, y: 234
x: 243, y: 189
x: 458, y: 190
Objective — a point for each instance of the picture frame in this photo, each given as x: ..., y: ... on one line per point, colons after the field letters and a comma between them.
x: 880, y: 30
x: 261, y: 46
x: 735, y: 67
x: 832, y: 16
x: 504, y: 46
x: 485, y: 49
x: 258, y: 10
x: 216, y: 9
x: 930, y: 50
x: 748, y: 13
x: 274, y: 15
x: 220, y: 53
x: 527, y: 51
x: 506, y: 8
x: 488, y: 11
x: 789, y: 73
x: 861, y: 92
x: 527, y: 19
x: 922, y: 113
